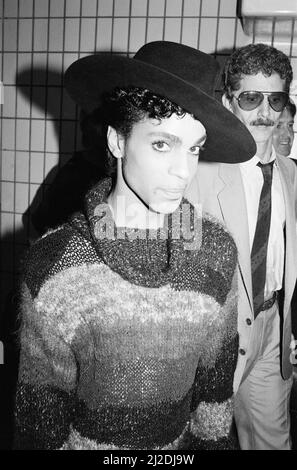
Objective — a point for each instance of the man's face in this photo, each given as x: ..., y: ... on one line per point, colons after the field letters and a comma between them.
x: 261, y: 121
x: 161, y: 158
x: 283, y: 135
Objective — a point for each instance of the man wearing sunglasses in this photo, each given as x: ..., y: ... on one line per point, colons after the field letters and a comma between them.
x: 256, y: 201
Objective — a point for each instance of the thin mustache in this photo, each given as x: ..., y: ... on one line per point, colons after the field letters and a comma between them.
x: 262, y: 122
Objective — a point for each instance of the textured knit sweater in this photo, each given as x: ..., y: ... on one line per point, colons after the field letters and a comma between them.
x: 130, y: 342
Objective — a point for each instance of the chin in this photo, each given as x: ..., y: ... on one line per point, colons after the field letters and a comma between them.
x: 284, y: 151
x: 165, y: 207
x: 263, y: 134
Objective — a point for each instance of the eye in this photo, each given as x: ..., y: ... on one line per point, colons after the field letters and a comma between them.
x: 276, y: 101
x: 196, y: 149
x: 161, y: 146
x: 251, y: 97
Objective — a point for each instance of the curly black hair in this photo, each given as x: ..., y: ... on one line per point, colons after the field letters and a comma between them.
x: 252, y: 59
x: 124, y: 107
x: 121, y: 109
x: 291, y: 107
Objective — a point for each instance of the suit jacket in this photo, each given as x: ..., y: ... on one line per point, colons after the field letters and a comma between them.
x: 219, y: 188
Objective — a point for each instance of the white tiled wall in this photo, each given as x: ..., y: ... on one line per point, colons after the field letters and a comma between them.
x: 40, y: 39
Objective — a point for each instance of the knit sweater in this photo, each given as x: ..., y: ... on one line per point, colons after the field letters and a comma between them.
x: 127, y: 342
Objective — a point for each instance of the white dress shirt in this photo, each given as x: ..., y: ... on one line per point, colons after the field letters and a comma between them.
x: 252, y: 177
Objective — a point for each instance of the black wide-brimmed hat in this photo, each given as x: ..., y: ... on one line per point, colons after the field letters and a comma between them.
x: 184, y: 75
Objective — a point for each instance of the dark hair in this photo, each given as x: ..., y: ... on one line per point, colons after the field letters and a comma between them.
x: 291, y: 107
x: 124, y: 107
x: 121, y: 109
x: 252, y: 59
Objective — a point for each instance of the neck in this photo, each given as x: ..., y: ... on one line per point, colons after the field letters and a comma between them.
x: 264, y: 150
x: 128, y: 209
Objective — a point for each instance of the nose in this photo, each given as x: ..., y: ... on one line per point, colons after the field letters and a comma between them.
x: 284, y: 133
x: 265, y: 108
x: 180, y: 166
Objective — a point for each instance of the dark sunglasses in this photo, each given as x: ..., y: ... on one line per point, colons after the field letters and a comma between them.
x: 249, y: 100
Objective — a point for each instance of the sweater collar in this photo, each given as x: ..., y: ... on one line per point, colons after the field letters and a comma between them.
x: 145, y: 257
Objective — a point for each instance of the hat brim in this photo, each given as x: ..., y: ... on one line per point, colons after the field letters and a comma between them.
x: 87, y: 79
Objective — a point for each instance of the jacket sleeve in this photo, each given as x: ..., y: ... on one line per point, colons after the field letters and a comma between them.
x: 45, y: 396
x: 294, y: 298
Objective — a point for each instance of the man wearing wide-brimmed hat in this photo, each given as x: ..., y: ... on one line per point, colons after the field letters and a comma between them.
x: 129, y: 310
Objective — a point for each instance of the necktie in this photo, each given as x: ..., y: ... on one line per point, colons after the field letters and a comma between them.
x: 260, y: 243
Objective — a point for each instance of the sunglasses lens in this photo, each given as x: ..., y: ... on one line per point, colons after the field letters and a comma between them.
x: 278, y: 100
x: 249, y: 100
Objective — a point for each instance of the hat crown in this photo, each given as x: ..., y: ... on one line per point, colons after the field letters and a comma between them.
x: 195, y: 67
x: 183, y: 75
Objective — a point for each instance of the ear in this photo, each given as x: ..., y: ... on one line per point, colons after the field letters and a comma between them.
x: 226, y: 102
x: 116, y: 142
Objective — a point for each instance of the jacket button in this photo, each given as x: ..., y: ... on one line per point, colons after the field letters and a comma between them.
x: 248, y: 321
x: 242, y: 351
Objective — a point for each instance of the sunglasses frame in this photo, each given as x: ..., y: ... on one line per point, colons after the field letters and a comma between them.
x: 262, y: 93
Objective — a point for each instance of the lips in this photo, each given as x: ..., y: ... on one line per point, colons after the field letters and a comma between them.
x: 262, y: 126
x: 173, y: 193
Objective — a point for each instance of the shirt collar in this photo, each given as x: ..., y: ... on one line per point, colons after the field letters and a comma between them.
x: 249, y: 165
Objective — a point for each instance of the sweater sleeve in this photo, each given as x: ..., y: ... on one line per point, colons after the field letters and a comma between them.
x: 211, y: 424
x: 45, y: 397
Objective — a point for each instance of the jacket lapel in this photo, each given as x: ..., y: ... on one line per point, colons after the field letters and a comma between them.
x: 234, y: 214
x: 290, y: 270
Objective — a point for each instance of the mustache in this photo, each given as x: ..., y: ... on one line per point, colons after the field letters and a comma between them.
x: 262, y: 122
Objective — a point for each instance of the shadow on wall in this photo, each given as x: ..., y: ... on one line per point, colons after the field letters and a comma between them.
x: 53, y: 103
x: 11, y: 241
x: 221, y: 56
x: 60, y: 194
x: 9, y: 324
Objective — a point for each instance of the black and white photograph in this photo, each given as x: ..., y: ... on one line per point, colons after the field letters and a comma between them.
x: 148, y: 220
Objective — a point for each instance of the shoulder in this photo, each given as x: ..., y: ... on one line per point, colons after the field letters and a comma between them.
x: 211, y: 168
x: 204, y: 179
x: 286, y: 162
x: 213, y: 265
x: 211, y: 175
x: 214, y: 168
x: 288, y: 168
x: 56, y: 251
x: 217, y: 239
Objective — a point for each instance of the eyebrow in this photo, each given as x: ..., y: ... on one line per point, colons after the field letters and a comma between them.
x: 176, y: 139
